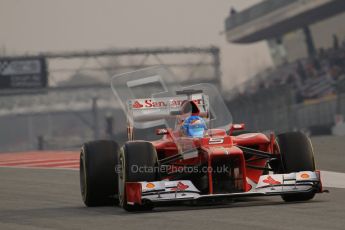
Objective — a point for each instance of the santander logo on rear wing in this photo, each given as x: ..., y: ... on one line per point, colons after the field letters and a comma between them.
x: 160, y: 103
x: 145, y: 109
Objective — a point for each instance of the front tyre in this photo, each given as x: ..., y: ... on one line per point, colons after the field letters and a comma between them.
x: 297, y: 155
x: 98, y: 179
x: 134, y: 156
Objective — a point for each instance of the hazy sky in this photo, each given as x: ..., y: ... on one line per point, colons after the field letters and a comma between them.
x: 46, y: 25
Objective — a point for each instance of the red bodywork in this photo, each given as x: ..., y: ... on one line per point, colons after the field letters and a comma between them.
x: 218, y: 145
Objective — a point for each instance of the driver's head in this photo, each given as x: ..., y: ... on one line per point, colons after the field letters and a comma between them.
x: 194, y: 126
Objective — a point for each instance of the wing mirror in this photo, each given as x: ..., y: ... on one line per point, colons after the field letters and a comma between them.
x: 236, y: 127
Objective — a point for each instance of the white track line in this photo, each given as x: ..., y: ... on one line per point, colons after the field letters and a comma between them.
x: 333, y: 179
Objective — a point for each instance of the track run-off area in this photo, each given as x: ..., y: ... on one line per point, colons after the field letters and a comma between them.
x: 40, y: 190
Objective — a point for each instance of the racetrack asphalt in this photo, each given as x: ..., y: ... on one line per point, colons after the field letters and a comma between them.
x: 50, y: 199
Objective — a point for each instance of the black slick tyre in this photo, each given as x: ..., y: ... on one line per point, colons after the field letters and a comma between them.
x: 296, y: 155
x: 134, y: 158
x: 98, y: 178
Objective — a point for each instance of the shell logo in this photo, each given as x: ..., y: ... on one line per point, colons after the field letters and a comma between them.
x: 150, y: 185
x: 305, y: 176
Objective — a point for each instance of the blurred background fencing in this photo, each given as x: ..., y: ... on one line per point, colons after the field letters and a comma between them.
x: 78, y: 105
x: 58, y: 100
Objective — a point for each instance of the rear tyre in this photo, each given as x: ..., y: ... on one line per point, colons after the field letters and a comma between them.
x: 98, y: 179
x: 134, y: 156
x: 297, y: 155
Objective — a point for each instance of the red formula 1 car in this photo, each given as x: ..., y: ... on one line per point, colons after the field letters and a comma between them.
x: 183, y: 147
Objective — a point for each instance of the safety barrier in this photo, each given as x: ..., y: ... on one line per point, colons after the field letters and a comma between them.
x: 276, y: 110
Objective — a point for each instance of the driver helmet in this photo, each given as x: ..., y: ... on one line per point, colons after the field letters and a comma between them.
x: 194, y: 126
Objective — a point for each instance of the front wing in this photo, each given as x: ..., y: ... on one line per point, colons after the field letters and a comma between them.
x: 183, y: 190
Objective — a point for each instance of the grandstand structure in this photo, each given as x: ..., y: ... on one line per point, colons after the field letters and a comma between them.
x: 294, y: 29
x: 306, y: 88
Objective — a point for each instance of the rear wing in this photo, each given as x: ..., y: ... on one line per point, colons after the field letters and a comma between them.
x: 149, y: 97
